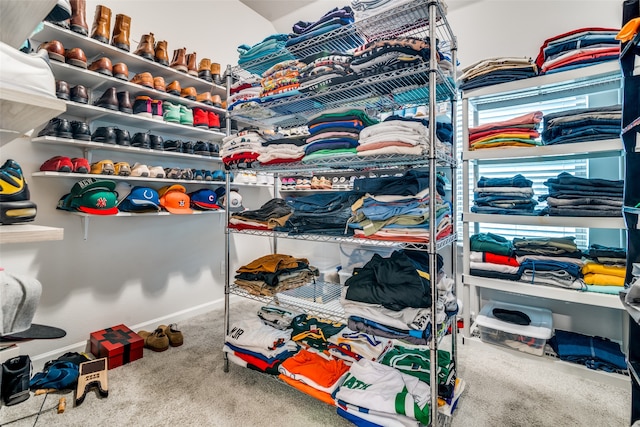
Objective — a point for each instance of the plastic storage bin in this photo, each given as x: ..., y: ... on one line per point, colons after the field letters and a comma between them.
x: 525, y: 338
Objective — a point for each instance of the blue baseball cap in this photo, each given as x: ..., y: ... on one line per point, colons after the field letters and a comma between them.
x: 204, y: 199
x: 141, y: 199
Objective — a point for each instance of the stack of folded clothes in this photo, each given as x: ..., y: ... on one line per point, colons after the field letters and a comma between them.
x: 273, y: 213
x: 392, y: 54
x: 578, y: 48
x: 325, y: 69
x: 335, y: 133
x: 396, y: 135
x: 593, y: 352
x: 504, y: 196
x: 244, y: 91
x: 391, y: 297
x: 254, y: 58
x: 252, y: 344
x: 312, y: 333
x: 573, y: 196
x: 314, y: 374
x: 283, y: 148
x: 492, y: 256
x: 282, y: 79
x: 352, y: 346
x: 243, y: 148
x: 496, y: 70
x: 397, y: 208
x: 582, y: 124
x: 554, y: 261
x: 516, y: 132
x: 605, y: 269
x: 323, y: 213
x: 274, y: 273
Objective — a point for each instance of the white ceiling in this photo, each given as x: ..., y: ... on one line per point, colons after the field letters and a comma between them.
x: 274, y: 9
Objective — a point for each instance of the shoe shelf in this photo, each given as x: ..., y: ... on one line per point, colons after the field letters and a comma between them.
x: 18, y: 18
x: 26, y: 233
x: 21, y: 112
x: 122, y: 178
x: 440, y: 244
x: 98, y: 83
x: 591, y: 149
x: 92, y: 113
x: 378, y: 93
x: 356, y: 163
x: 141, y: 214
x: 94, y: 49
x: 547, y: 221
x: 92, y: 145
x: 548, y: 292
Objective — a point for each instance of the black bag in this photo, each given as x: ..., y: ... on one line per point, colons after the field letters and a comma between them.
x: 16, y: 373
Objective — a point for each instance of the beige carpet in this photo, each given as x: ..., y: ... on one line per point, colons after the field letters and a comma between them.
x: 186, y: 386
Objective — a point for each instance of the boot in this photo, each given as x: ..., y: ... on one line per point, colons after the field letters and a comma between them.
x: 101, y: 29
x: 215, y: 72
x: 145, y: 47
x: 204, y: 70
x: 191, y: 64
x: 121, y: 31
x: 161, y: 55
x: 179, y: 61
x: 109, y: 99
x: 124, y: 102
x: 79, y: 17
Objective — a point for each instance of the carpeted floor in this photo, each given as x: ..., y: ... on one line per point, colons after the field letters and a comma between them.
x: 187, y: 386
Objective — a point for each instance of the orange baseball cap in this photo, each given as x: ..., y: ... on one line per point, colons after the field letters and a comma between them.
x: 176, y: 202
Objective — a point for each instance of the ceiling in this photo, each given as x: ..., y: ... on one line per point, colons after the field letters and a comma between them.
x: 274, y: 9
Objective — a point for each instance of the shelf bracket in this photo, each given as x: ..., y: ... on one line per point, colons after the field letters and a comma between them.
x: 86, y: 152
x: 85, y: 227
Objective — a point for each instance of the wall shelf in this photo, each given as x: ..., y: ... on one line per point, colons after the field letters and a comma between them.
x: 547, y: 221
x: 24, y: 233
x: 123, y: 178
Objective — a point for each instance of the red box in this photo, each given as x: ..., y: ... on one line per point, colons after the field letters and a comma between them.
x: 119, y: 344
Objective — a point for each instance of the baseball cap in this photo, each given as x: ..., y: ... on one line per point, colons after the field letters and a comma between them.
x: 204, y: 199
x: 235, y: 199
x: 96, y: 202
x: 176, y: 202
x: 88, y: 184
x: 123, y: 189
x: 141, y: 199
x: 174, y: 187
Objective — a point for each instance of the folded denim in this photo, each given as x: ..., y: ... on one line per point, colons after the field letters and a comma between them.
x: 565, y: 178
x: 411, y: 183
x: 583, y: 211
x: 515, y: 181
x: 502, y: 211
x: 596, y: 250
x: 583, y: 201
x: 501, y: 197
x: 550, y: 265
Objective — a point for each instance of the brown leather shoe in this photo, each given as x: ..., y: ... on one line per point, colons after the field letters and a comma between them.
x: 145, y: 47
x: 215, y: 72
x: 174, y: 88
x: 161, y: 54
x: 62, y: 89
x: 159, y: 84
x: 76, y: 57
x: 121, y: 71
x: 189, y: 93
x: 78, y: 21
x: 217, y: 102
x: 191, y: 64
x: 179, y: 61
x: 205, y: 98
x: 124, y: 102
x: 109, y: 99
x: 121, y: 31
x: 54, y: 49
x: 144, y: 79
x: 79, y: 94
x: 101, y: 28
x: 102, y: 66
x: 204, y: 69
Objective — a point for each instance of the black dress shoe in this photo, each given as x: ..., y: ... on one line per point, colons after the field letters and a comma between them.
x: 104, y: 134
x: 141, y: 140
x: 123, y: 137
x: 157, y: 143
x: 80, y: 130
x: 57, y: 127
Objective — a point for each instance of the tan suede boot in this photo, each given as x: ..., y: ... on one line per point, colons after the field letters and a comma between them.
x: 145, y: 47
x: 191, y: 64
x: 101, y: 29
x: 79, y: 17
x: 121, y: 31
x: 204, y: 69
x: 161, y: 54
x: 179, y: 61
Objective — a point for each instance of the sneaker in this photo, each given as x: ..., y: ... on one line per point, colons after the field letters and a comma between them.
x: 187, y: 174
x: 198, y: 174
x: 156, y: 340
x: 201, y: 148
x: 200, y: 118
x: 218, y: 175
x: 214, y: 120
x: 60, y: 128
x: 173, y: 145
x: 208, y: 176
x: 80, y: 165
x: 139, y: 170
x: 171, y: 112
x: 172, y: 173
x: 15, y: 205
x: 122, y: 169
x: 214, y: 149
x: 156, y: 109
x: 103, y: 167
x: 57, y: 164
x: 187, y: 147
x: 142, y: 106
x: 156, y: 172
x: 186, y: 116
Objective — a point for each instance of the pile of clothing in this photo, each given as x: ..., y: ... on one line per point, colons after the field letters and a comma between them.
x: 283, y: 148
x: 274, y: 273
x: 593, y: 352
x: 396, y: 135
x: 582, y: 124
x: 397, y: 208
x: 282, y: 79
x: 578, y: 48
x: 244, y: 91
x: 252, y: 344
x: 504, y: 196
x: 323, y: 213
x: 352, y: 346
x: 492, y: 256
x: 519, y: 131
x: 261, y: 56
x: 325, y: 69
x: 386, y: 55
x: 554, y: 261
x: 605, y: 269
x: 273, y: 213
x: 335, y: 133
x: 493, y: 71
x: 574, y: 196
x: 243, y: 148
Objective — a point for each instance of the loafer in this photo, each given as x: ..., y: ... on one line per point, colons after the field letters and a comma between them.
x: 139, y: 170
x: 76, y: 57
x: 123, y: 137
x: 156, y: 340
x: 159, y: 84
x: 62, y: 90
x: 60, y: 128
x: 102, y: 66
x: 55, y: 50
x: 189, y: 93
x: 141, y: 140
x: 104, y: 134
x: 80, y: 130
x: 143, y: 79
x: 80, y: 165
x: 122, y: 169
x: 57, y: 164
x: 176, y: 338
x: 121, y: 71
x: 156, y: 172
x: 157, y: 142
x: 103, y: 167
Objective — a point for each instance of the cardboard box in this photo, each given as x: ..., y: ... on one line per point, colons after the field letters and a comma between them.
x: 119, y: 344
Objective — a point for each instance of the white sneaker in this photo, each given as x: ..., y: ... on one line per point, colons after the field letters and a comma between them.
x: 156, y: 172
x: 139, y: 170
